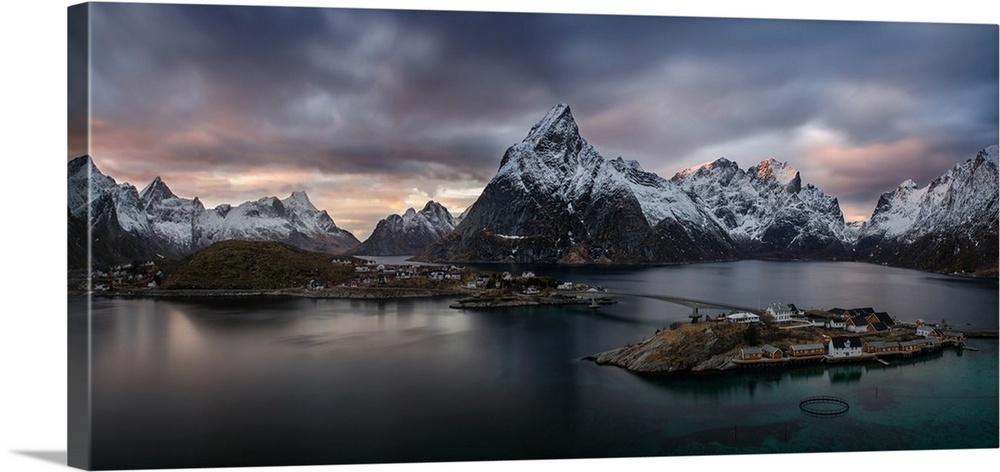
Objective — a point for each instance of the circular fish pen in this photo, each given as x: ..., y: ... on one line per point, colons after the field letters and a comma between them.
x: 824, y: 406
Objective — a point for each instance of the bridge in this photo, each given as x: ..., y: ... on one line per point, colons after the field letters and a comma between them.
x: 695, y: 304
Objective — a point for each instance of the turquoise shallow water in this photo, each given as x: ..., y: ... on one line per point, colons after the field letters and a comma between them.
x: 230, y: 382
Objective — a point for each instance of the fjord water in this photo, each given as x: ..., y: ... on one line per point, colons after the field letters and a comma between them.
x: 269, y: 381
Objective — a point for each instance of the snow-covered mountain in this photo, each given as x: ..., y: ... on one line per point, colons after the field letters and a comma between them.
x: 949, y: 225
x: 410, y: 233
x: 766, y: 210
x: 555, y: 199
x: 104, y: 218
x: 130, y: 225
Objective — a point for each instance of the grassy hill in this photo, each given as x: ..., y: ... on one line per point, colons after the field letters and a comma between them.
x: 254, y: 265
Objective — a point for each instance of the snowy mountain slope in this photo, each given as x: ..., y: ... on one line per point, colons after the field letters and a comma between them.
x: 766, y: 210
x: 128, y: 225
x: 104, y: 219
x: 555, y: 199
x: 173, y: 219
x: 293, y: 220
x: 949, y: 225
x: 410, y: 233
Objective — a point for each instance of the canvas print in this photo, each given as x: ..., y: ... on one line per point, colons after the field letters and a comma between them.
x: 328, y: 236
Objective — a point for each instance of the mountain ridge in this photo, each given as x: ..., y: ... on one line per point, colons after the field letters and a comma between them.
x: 410, y: 233
x: 556, y: 199
x: 124, y: 224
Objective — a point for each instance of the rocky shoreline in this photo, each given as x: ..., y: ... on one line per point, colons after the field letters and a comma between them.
x: 366, y: 293
x: 516, y: 300
x: 715, y: 347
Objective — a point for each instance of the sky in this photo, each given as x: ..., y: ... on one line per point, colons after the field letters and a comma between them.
x: 372, y: 111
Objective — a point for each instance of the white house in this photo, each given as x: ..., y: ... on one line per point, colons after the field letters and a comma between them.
x: 565, y: 286
x: 781, y: 312
x: 925, y: 330
x: 743, y: 318
x: 836, y: 323
x: 857, y: 324
x: 845, y: 346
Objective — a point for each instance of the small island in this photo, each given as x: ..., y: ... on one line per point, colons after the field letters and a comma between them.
x: 782, y: 336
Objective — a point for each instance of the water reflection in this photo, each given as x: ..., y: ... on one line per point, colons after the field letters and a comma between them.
x: 845, y: 374
x: 220, y: 382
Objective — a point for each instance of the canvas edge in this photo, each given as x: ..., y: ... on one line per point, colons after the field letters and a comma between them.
x: 78, y: 441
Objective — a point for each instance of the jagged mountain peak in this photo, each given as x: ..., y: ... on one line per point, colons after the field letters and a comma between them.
x: 781, y: 172
x: 630, y: 163
x: 410, y: 233
x: 949, y: 224
x: 720, y: 164
x: 557, y: 122
x: 990, y: 154
x: 156, y: 190
x: 300, y: 196
x: 129, y: 225
x: 299, y: 200
x: 553, y: 142
x: 81, y: 164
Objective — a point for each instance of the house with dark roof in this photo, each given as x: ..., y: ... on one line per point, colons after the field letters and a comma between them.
x: 771, y: 352
x: 750, y: 353
x: 857, y: 324
x: 845, y: 346
x: 816, y: 320
x: 914, y: 345
x: 881, y: 317
x: 878, y: 327
x: 875, y: 347
x: 801, y: 350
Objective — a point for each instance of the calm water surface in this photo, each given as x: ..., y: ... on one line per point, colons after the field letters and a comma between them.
x: 258, y: 381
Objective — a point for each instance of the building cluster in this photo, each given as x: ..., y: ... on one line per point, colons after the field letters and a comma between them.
x: 777, y: 312
x: 373, y: 273
x: 861, y: 320
x: 126, y: 275
x: 840, y: 347
x: 855, y: 321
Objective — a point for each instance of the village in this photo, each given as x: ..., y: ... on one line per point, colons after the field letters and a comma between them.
x: 868, y: 335
x: 354, y: 277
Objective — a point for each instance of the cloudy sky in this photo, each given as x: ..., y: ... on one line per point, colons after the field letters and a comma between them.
x: 374, y: 111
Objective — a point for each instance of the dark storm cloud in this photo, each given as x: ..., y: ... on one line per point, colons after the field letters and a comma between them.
x: 855, y: 106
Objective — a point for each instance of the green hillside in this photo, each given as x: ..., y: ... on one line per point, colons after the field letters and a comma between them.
x: 255, y: 265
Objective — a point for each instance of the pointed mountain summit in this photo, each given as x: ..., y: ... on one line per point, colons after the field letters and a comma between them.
x: 555, y: 199
x: 156, y: 190
x: 410, y: 233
